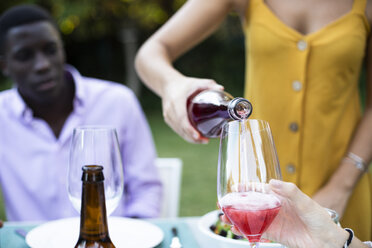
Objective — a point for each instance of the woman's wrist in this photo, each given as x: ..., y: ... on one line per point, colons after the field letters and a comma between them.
x: 334, y: 237
x: 171, y: 80
x: 356, y: 243
x: 345, y: 238
x: 357, y: 161
x: 346, y: 177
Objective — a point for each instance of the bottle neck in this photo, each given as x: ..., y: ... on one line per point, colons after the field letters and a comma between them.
x: 93, y: 217
x: 239, y: 108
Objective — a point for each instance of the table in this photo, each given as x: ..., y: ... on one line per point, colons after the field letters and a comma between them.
x: 187, y: 228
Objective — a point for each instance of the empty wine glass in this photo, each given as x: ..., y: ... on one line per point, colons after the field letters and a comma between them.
x: 247, y: 161
x: 96, y: 145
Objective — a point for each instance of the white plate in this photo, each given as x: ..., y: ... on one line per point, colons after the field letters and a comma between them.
x: 124, y: 232
x: 222, y: 242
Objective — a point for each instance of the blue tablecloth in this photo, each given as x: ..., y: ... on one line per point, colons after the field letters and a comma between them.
x: 9, y: 238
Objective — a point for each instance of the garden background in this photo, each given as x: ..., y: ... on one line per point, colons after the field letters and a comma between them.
x: 101, y: 39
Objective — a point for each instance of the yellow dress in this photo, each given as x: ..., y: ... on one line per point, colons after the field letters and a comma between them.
x: 306, y: 87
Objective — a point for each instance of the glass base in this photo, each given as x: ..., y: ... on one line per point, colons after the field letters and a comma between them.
x: 254, y: 244
x: 254, y: 240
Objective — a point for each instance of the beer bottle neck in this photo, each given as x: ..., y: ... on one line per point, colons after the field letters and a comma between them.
x: 93, y: 217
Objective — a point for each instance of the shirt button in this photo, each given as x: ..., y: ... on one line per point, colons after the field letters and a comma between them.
x: 301, y: 45
x: 296, y: 85
x: 291, y: 168
x: 293, y: 127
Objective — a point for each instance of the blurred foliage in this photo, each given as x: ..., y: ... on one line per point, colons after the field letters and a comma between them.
x: 92, y: 30
x: 363, y: 86
x: 93, y: 36
x: 92, y: 19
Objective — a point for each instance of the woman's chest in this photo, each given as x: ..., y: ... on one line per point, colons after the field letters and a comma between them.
x: 309, y: 16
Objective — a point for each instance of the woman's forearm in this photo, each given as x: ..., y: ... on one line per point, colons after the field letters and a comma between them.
x: 195, y: 21
x: 348, y: 174
x: 154, y: 66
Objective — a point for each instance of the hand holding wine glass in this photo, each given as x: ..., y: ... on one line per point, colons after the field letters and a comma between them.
x: 247, y: 162
x: 302, y: 222
x: 96, y: 145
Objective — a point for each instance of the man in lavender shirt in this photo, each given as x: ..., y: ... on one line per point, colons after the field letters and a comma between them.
x: 37, y: 118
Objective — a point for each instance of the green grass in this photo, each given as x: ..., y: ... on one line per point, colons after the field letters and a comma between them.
x: 198, y: 190
x: 2, y: 210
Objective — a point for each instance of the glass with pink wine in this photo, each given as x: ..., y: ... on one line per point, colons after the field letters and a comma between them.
x: 246, y: 163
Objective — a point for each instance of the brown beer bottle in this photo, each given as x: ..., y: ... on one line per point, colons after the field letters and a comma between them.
x: 93, y: 218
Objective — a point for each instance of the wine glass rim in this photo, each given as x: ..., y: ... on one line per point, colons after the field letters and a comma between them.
x: 95, y: 127
x: 264, y: 125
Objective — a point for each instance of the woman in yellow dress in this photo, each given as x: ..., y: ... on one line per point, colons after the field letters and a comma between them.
x: 303, y: 60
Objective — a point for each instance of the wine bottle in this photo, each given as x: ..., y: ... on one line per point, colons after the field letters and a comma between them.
x: 209, y: 110
x: 93, y: 218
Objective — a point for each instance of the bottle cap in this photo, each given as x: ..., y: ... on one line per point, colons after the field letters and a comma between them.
x: 240, y: 108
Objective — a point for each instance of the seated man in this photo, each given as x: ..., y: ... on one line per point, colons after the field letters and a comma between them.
x: 37, y: 118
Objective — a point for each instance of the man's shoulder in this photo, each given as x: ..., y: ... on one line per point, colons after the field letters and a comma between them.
x: 110, y: 97
x: 93, y: 85
x: 8, y: 102
x: 107, y: 89
x: 6, y: 95
x: 6, y: 92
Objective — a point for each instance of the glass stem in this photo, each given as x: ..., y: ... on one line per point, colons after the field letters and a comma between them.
x: 254, y: 244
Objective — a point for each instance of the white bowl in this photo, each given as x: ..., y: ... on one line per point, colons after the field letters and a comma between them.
x: 218, y: 241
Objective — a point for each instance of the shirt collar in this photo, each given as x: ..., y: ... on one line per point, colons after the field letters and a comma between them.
x: 79, y: 89
x: 21, y: 110
x: 19, y: 107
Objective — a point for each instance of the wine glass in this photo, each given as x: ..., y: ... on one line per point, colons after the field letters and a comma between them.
x: 246, y: 163
x: 96, y: 145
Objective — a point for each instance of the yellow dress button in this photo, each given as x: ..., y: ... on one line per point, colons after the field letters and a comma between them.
x: 290, y: 168
x: 296, y: 85
x: 301, y: 45
x: 293, y: 127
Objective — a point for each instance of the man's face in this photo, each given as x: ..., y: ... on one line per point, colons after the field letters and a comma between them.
x: 34, y: 60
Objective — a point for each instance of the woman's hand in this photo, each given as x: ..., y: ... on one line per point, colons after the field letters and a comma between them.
x: 302, y: 222
x: 174, y: 101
